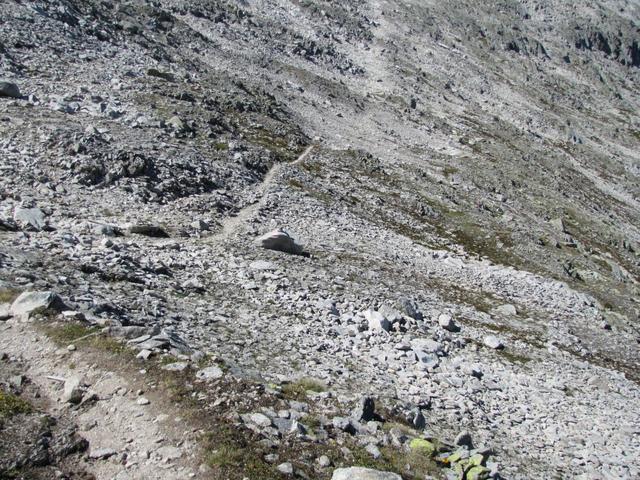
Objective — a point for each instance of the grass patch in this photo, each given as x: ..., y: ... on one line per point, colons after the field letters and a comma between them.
x: 8, y: 295
x: 68, y: 332
x: 311, y: 421
x: 299, y: 388
x: 230, y: 457
x: 73, y: 332
x: 514, y: 357
x: 11, y: 405
x: 410, y: 464
x: 295, y: 183
x: 313, y: 168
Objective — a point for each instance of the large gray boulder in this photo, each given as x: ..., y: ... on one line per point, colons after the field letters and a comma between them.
x: 281, y: 241
x: 9, y: 89
x: 360, y: 473
x: 28, y: 302
x: 32, y: 218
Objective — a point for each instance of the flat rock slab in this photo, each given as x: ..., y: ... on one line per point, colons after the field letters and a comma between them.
x: 209, y: 373
x: 102, y: 453
x: 360, y: 473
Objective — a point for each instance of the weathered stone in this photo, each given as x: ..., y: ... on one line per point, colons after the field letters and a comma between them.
x: 361, y: 473
x: 32, y: 218
x: 425, y: 447
x: 446, y: 322
x: 285, y: 468
x: 209, y: 373
x: 281, y: 241
x: 29, y: 302
x: 260, y: 419
x: 494, y: 342
x: 376, y: 321
x: 176, y: 367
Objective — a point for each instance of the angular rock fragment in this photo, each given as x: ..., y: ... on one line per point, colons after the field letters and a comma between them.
x: 30, y: 218
x: 494, y: 342
x: 28, y: 302
x: 280, y: 241
x: 377, y: 321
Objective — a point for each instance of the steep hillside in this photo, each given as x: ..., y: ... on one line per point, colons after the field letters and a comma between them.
x: 464, y: 178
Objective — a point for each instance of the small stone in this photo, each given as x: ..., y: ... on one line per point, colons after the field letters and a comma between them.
x: 373, y: 451
x: 262, y: 265
x: 419, y: 422
x: 143, y: 401
x: 285, y: 468
x: 494, y: 342
x: 260, y: 419
x: 343, y: 424
x: 477, y: 473
x: 324, y: 461
x: 376, y: 321
x: 73, y: 391
x: 423, y: 446
x: 71, y: 348
x: 169, y: 453
x: 507, y: 310
x: 271, y: 457
x: 446, y: 322
x: 144, y: 354
x: 176, y: 367
x: 102, y: 453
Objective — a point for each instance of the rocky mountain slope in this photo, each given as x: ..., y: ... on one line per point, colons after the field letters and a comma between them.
x: 463, y: 179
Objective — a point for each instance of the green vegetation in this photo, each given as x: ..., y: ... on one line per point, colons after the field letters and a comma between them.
x: 413, y: 464
x: 72, y: 332
x: 229, y: 457
x: 11, y: 405
x: 8, y: 295
x: 299, y: 388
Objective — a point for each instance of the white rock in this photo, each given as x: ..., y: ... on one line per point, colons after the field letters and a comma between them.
x: 360, y: 473
x: 279, y: 240
x: 377, y: 322
x: 27, y: 302
x: 446, y: 322
x: 285, y: 468
x: 210, y: 373
x: 494, y: 342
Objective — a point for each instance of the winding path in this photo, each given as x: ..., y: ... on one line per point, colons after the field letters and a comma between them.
x: 230, y: 224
